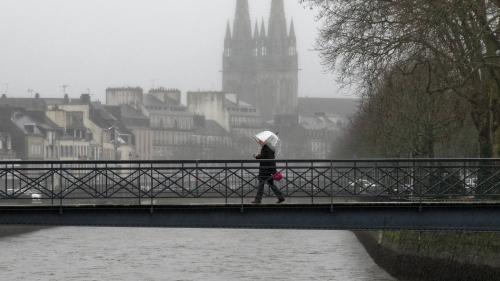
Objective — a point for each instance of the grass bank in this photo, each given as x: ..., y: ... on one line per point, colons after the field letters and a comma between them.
x: 443, y: 256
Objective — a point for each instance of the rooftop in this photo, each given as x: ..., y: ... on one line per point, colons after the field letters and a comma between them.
x: 337, y: 106
x: 153, y: 104
x: 24, y: 103
x: 211, y: 128
x: 100, y: 116
x: 124, y: 89
x: 61, y: 101
x: 28, y: 124
x: 232, y: 100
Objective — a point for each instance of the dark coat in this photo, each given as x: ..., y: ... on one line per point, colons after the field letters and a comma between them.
x: 266, y: 169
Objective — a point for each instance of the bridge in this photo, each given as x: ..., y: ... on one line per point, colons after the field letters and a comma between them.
x: 418, y: 194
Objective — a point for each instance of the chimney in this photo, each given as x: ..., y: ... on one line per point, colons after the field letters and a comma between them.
x: 85, y: 98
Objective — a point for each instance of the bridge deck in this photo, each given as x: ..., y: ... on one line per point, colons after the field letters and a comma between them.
x: 342, y: 216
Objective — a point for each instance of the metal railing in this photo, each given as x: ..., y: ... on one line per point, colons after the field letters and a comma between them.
x: 234, y: 182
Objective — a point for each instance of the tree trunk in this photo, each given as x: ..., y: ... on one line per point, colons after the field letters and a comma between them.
x: 485, y: 151
x: 485, y: 141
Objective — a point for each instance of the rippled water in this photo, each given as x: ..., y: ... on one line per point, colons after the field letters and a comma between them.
x: 87, y: 253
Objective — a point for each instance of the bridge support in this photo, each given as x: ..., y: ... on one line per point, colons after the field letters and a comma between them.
x: 353, y: 216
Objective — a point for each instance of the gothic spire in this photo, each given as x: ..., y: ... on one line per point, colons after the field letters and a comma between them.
x: 256, y: 31
x: 277, y: 20
x: 262, y: 29
x: 228, y: 32
x: 242, y: 27
x: 292, y: 30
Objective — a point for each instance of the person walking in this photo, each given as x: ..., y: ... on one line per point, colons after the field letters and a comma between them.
x: 267, y: 169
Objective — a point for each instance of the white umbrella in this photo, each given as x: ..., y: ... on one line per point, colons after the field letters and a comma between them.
x: 269, y: 138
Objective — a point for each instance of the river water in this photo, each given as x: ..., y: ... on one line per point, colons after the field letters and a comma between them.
x: 89, y: 253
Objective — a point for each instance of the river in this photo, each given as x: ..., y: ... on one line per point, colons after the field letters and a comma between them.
x: 92, y: 253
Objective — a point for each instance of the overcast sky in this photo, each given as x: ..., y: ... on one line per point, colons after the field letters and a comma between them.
x: 94, y: 44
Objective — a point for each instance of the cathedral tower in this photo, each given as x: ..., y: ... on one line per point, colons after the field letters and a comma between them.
x: 262, y: 69
x: 238, y: 62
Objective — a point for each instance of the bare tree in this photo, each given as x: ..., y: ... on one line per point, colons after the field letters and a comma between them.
x: 364, y: 40
x: 400, y: 117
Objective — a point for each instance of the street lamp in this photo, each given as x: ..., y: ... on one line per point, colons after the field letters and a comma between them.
x: 114, y: 133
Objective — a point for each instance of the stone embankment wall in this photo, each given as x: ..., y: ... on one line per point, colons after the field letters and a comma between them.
x: 414, y: 255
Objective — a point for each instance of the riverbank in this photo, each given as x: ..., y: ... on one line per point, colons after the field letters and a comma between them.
x: 11, y: 230
x: 443, y: 256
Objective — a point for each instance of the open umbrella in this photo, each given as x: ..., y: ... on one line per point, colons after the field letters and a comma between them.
x: 271, y: 139
x: 273, y: 142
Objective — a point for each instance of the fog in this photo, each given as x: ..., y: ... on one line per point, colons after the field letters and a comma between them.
x: 91, y: 45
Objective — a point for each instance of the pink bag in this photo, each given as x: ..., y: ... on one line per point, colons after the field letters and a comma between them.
x: 278, y: 176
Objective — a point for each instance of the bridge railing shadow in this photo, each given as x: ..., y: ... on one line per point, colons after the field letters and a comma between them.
x: 234, y: 182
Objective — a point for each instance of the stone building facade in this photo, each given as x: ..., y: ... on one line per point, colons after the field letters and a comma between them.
x: 171, y: 124
x: 6, y: 150
x: 85, y: 136
x: 245, y: 121
x: 211, y: 105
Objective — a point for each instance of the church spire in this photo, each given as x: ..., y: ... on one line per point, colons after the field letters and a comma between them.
x: 256, y: 31
x: 292, y: 30
x: 277, y: 20
x: 242, y: 27
x: 228, y: 32
x: 262, y: 29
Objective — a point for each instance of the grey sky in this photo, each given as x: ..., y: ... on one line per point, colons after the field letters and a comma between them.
x: 93, y: 44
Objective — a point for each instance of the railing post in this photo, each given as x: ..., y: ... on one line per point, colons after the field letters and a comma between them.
x: 105, y: 183
x: 226, y: 181
x: 378, y: 192
x: 286, y: 179
x: 182, y: 179
x: 139, y: 183
x: 398, y: 182
x: 419, y: 189
x: 151, y: 189
x: 197, y: 185
x: 13, y: 181
x: 355, y: 180
x: 464, y: 181
x: 242, y: 188
x: 96, y: 181
x: 7, y: 181
x: 331, y: 186
x: 312, y: 183
x: 60, y: 189
x: 52, y: 184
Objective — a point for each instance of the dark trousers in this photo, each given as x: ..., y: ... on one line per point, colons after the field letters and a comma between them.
x: 260, y: 189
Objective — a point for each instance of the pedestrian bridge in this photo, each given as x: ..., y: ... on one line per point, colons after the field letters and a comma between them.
x: 419, y: 194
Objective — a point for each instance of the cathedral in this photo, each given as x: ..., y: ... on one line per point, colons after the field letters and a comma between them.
x: 261, y: 67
